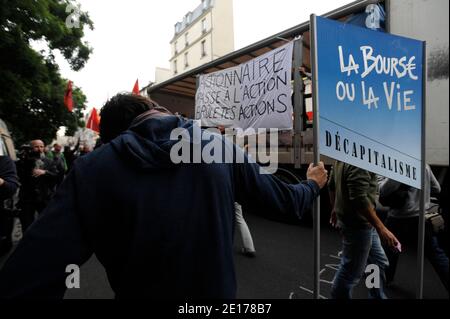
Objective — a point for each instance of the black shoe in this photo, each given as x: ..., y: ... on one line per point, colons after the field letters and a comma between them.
x: 248, y: 253
x: 389, y: 283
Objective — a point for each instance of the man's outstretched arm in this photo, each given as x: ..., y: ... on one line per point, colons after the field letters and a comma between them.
x: 37, y: 268
x: 270, y: 196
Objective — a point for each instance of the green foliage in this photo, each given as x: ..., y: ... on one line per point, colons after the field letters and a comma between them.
x: 31, y: 87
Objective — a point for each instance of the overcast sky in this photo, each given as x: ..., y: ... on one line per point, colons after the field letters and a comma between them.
x: 132, y: 37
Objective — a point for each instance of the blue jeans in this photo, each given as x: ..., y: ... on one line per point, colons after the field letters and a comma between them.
x: 360, y: 248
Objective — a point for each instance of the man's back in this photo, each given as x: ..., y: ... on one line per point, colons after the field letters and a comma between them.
x: 153, y: 229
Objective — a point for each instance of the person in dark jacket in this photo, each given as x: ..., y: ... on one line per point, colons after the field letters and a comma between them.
x: 404, y: 220
x: 70, y: 154
x: 9, y: 184
x: 161, y: 229
x: 38, y: 176
x: 9, y: 181
x: 59, y: 162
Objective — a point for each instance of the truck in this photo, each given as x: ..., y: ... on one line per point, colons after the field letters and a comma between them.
x: 419, y: 19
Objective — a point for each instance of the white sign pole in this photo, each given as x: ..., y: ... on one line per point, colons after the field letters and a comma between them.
x: 316, y: 217
x: 421, y: 232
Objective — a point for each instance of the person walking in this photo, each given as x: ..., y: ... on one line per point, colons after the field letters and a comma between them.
x: 352, y: 193
x: 404, y: 220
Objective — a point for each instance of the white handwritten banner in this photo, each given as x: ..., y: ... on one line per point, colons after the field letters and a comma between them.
x: 255, y: 94
x: 370, y: 95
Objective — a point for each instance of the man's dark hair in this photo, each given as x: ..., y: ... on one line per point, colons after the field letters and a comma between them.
x: 119, y: 112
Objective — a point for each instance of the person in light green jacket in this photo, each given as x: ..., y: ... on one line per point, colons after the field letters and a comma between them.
x: 60, y: 162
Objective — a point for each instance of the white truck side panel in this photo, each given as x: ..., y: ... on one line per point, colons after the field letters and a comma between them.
x: 427, y: 20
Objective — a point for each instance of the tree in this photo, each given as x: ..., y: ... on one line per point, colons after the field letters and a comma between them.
x: 31, y: 87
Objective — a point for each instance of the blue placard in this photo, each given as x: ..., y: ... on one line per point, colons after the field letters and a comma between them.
x: 370, y: 98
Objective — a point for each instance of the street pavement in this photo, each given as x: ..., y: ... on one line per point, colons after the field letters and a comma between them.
x: 283, y: 267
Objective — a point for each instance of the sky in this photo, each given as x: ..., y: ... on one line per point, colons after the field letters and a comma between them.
x: 131, y: 38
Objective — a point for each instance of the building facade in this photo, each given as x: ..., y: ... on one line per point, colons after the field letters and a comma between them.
x: 203, y: 35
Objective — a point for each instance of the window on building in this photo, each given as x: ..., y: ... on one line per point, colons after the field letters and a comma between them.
x: 186, y: 59
x: 186, y: 39
x: 189, y: 17
x: 175, y: 71
x: 204, y: 26
x: 203, y: 43
x: 177, y: 27
x: 204, y: 4
x: 175, y: 47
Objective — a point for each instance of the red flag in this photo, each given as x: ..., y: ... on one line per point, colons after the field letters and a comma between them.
x: 136, y: 88
x: 93, y: 122
x: 68, y: 102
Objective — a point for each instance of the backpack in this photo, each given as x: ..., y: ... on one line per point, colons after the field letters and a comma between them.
x: 396, y: 199
x: 434, y: 220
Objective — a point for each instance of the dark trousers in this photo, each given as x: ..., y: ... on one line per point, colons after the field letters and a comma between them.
x: 406, y: 230
x: 26, y: 216
x: 6, y: 228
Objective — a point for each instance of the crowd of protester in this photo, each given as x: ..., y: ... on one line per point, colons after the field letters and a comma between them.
x: 27, y: 186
